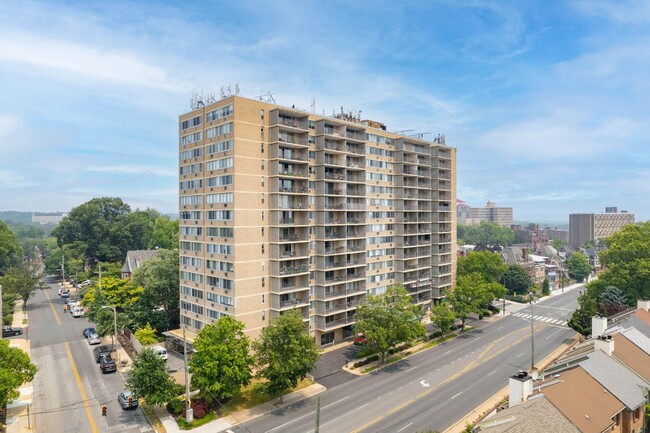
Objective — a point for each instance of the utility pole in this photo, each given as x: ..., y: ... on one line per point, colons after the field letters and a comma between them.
x: 63, y: 270
x: 532, y: 333
x: 189, y: 413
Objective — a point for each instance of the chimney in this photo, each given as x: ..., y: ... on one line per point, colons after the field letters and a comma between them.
x: 520, y: 386
x: 524, y: 254
x: 643, y: 304
x: 598, y: 326
x: 605, y: 343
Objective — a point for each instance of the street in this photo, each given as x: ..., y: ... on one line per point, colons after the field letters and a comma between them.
x: 69, y: 389
x: 434, y: 388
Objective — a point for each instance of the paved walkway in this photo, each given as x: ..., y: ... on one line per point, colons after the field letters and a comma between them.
x: 20, y: 418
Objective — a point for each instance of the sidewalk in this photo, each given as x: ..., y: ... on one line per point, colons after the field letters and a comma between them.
x: 234, y: 419
x: 20, y: 416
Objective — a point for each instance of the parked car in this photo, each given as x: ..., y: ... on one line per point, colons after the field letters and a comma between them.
x: 127, y: 399
x: 101, y: 352
x: 89, y: 331
x: 93, y: 339
x: 107, y: 364
x: 9, y: 331
x: 361, y: 340
x: 77, y: 312
x: 65, y: 293
x: 72, y: 305
x: 161, y: 352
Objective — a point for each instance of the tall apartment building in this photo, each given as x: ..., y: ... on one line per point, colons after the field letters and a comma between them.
x: 586, y: 227
x: 490, y: 213
x: 283, y: 209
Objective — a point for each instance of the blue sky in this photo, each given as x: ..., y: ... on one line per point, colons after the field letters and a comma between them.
x: 547, y: 102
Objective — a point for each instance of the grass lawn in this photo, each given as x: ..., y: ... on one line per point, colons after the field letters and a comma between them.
x: 249, y: 397
x: 153, y: 418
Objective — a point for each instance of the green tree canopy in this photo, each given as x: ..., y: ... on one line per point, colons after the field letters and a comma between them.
x: 486, y: 233
x: 10, y: 252
x: 579, y: 267
x: 389, y: 319
x: 626, y: 262
x: 516, y: 280
x: 558, y: 243
x: 21, y: 280
x: 581, y: 318
x: 472, y: 295
x: 15, y: 369
x: 159, y: 276
x: 285, y: 353
x: 146, y: 335
x: 221, y: 364
x: 148, y: 378
x: 490, y: 265
x: 165, y: 234
x: 443, y: 316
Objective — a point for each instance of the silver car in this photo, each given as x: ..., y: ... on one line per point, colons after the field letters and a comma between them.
x: 127, y: 399
x: 93, y: 339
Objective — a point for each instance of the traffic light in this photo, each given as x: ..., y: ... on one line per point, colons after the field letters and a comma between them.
x: 103, y: 410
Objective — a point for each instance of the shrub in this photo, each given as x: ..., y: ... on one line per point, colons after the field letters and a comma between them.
x: 373, y: 358
x: 436, y: 334
x: 494, y: 309
x: 199, y: 408
x: 7, y: 320
x: 175, y: 407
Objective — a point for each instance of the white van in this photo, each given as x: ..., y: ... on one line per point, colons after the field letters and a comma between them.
x: 77, y: 312
x: 160, y: 351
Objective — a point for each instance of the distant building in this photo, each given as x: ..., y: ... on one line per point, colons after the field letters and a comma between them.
x: 555, y: 233
x: 490, y: 213
x: 588, y: 227
x: 462, y: 211
x: 135, y: 259
x: 48, y: 217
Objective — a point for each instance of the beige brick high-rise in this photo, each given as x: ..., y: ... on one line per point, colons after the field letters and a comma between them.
x: 282, y: 209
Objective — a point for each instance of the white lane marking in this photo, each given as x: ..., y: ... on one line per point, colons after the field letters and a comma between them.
x: 343, y: 416
x: 499, y: 327
x: 447, y: 352
x: 405, y: 427
x: 412, y: 368
x: 424, y: 383
x: 492, y: 372
x: 456, y: 395
x: 519, y: 355
x: 300, y: 417
x: 552, y: 334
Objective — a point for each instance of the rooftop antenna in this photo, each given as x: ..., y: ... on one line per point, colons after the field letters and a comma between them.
x: 403, y: 131
x: 419, y: 135
x: 267, y: 97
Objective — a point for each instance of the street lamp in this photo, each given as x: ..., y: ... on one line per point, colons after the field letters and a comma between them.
x: 117, y: 354
x: 532, y: 333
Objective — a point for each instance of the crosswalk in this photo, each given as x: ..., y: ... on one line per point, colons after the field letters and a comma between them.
x: 543, y: 319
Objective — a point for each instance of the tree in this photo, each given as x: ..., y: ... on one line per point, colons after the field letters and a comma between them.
x: 487, y: 233
x: 471, y: 295
x: 146, y: 335
x: 21, y: 280
x: 581, y: 318
x: 490, y: 265
x: 15, y: 369
x: 165, y: 233
x: 546, y: 287
x: 115, y: 291
x: 613, y: 295
x: 285, y: 353
x: 148, y: 378
x: 10, y: 252
x: 221, y: 364
x: 558, y: 243
x: 516, y: 280
x: 579, y: 267
x: 442, y: 316
x: 626, y: 262
x: 159, y: 277
x: 91, y: 224
x: 389, y: 319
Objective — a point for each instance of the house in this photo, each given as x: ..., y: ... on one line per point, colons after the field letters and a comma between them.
x: 135, y: 259
x: 518, y: 255
x: 601, y: 385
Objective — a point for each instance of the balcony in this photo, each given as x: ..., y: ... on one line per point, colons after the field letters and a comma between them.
x: 294, y: 269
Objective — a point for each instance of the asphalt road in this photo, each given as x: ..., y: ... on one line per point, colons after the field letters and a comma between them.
x: 69, y: 389
x: 434, y: 388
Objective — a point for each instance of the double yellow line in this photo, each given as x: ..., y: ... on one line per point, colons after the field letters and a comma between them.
x: 471, y: 366
x: 56, y: 315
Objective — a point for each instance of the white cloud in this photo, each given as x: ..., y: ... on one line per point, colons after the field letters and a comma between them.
x: 132, y: 169
x: 74, y: 60
x: 8, y: 124
x: 11, y: 180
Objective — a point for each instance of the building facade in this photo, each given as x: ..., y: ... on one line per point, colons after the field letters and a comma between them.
x: 490, y: 213
x: 48, y: 218
x: 283, y: 209
x: 588, y: 227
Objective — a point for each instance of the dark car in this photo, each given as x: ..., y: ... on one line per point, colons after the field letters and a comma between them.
x: 127, y: 400
x: 89, y: 331
x: 8, y: 331
x: 101, y: 352
x: 107, y: 364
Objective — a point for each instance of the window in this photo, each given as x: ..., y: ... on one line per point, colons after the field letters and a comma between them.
x: 219, y: 164
x: 191, y: 276
x: 191, y: 261
x: 262, y: 231
x: 189, y: 123
x: 188, y: 306
x: 191, y: 153
x: 224, y: 129
x: 219, y: 113
x: 218, y: 215
x: 191, y: 246
x: 221, y: 232
x: 192, y: 291
x: 218, y: 265
x: 224, y: 197
x: 190, y: 215
x: 219, y: 181
x: 221, y: 146
x: 191, y: 184
x: 190, y: 169
x: 263, y: 297
x: 221, y: 283
x: 262, y: 248
x: 192, y: 138
x: 219, y: 249
x: 262, y: 198
x: 191, y: 230
x: 191, y: 199
x: 263, y: 284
